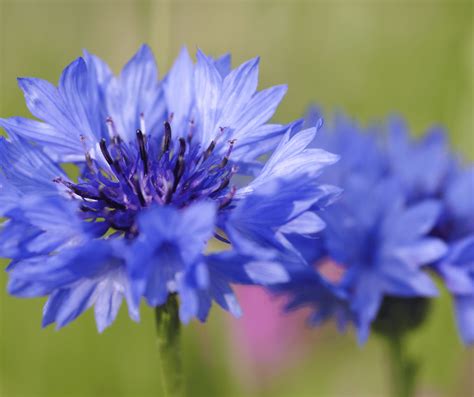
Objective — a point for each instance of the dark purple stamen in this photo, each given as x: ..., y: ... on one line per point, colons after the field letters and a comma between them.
x: 143, y: 153
x: 179, y: 167
x: 220, y: 238
x: 150, y: 171
x: 111, y: 202
x: 165, y: 145
x: 225, y: 160
x: 209, y: 150
x: 139, y: 192
x: 228, y: 198
x: 105, y: 151
x: 168, y: 193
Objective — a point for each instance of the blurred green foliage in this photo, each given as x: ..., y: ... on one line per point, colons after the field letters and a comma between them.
x: 368, y: 58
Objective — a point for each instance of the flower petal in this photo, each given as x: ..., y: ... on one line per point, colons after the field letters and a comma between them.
x: 179, y: 91
x: 238, y: 88
x: 421, y: 252
x: 465, y: 317
x: 415, y: 221
x: 208, y: 88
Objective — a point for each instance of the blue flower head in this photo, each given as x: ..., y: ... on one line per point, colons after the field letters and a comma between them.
x: 381, y: 234
x: 451, y: 182
x: 159, y: 163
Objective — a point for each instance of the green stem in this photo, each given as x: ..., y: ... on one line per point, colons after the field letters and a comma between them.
x: 404, y: 370
x: 168, y: 329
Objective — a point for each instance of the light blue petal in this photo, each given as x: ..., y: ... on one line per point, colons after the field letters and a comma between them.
x: 179, y: 92
x: 292, y: 158
x: 414, y: 222
x: 208, y: 88
x: 80, y: 105
x: 273, y: 205
x: 261, y: 141
x: 137, y: 92
x: 64, y: 111
x: 28, y: 168
x: 58, y: 145
x: 48, y: 216
x: 237, y: 89
x: 306, y: 224
x: 266, y: 272
x: 66, y: 267
x: 138, y: 77
x: 99, y: 69
x: 258, y: 110
x: 45, y: 103
x: 421, y: 252
x: 223, y: 64
x: 456, y: 278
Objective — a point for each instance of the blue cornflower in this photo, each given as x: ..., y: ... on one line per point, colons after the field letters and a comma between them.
x: 378, y: 236
x: 159, y: 164
x: 451, y: 182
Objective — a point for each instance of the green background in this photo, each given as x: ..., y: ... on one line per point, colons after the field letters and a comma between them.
x: 368, y: 58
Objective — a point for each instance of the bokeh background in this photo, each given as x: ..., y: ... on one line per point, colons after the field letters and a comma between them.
x: 369, y: 58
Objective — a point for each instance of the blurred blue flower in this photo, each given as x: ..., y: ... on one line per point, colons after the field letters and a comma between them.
x: 164, y: 167
x: 451, y: 182
x: 406, y: 206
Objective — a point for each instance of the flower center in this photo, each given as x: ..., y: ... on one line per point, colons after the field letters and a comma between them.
x: 133, y: 176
